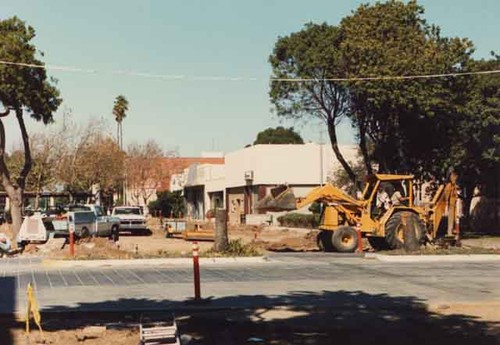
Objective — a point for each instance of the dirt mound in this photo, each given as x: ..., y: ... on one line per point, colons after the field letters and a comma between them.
x: 295, y: 244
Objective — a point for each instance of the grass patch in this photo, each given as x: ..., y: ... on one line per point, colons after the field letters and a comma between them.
x: 235, y: 248
x: 299, y: 220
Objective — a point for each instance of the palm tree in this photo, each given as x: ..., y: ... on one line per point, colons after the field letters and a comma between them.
x: 120, y: 112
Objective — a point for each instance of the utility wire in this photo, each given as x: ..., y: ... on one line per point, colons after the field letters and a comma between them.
x: 229, y: 78
x: 402, y: 77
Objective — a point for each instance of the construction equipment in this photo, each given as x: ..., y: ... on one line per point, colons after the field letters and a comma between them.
x: 199, y: 233
x: 385, y: 213
x: 175, y: 227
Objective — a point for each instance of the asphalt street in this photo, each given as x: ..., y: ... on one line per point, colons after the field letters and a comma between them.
x: 277, y: 281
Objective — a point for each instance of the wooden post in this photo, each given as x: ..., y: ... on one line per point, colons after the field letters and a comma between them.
x: 221, y: 238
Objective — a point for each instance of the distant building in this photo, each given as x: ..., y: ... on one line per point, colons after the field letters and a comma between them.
x: 175, y: 166
x: 248, y: 174
x: 172, y: 179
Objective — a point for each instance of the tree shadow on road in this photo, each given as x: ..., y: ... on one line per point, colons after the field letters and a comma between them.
x: 327, y: 317
x: 8, y: 306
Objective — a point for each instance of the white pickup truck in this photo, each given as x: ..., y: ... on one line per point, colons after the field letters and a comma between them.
x: 131, y: 218
x: 88, y: 220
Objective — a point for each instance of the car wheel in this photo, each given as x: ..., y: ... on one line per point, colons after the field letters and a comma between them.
x: 115, y: 233
x: 84, y: 236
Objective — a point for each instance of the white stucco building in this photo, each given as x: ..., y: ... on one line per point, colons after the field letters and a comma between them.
x: 249, y: 173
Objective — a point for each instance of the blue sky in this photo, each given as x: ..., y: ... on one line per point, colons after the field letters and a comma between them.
x: 196, y: 38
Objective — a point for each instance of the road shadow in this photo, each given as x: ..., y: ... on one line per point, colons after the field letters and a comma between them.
x: 327, y: 317
x: 8, y: 292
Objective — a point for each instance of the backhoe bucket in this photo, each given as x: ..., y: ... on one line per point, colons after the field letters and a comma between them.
x: 280, y: 199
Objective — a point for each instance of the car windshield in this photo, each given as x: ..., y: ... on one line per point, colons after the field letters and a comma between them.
x: 84, y: 217
x: 78, y: 208
x: 135, y: 211
x: 99, y: 211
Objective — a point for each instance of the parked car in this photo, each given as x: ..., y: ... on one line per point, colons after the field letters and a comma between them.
x: 88, y: 220
x: 131, y: 218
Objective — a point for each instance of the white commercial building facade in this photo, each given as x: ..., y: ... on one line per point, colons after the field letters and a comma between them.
x: 247, y: 175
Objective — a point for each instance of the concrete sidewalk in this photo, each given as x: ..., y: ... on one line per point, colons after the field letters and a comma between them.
x: 153, y: 262
x: 434, y: 258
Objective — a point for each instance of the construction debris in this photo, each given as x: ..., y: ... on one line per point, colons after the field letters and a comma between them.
x: 158, y: 332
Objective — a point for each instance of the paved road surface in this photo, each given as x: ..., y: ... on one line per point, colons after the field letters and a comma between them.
x: 286, y: 278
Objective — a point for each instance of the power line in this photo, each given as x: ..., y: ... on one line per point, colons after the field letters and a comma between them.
x: 232, y: 78
x: 403, y: 77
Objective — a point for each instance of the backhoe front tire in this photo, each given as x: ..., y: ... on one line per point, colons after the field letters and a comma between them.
x: 345, y: 239
x: 324, y: 241
x: 399, y: 236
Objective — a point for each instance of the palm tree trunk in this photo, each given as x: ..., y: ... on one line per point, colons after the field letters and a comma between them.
x: 121, y: 136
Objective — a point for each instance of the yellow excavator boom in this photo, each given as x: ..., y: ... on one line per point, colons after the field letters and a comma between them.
x: 329, y: 194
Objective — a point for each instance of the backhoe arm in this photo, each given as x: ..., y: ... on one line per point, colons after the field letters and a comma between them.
x: 328, y: 194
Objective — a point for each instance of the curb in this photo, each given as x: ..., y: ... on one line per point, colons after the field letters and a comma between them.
x: 153, y: 262
x: 435, y: 258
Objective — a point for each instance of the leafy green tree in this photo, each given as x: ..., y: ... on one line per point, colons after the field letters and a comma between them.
x: 169, y: 204
x: 393, y: 39
x: 341, y: 179
x: 278, y: 135
x: 402, y: 124
x: 42, y: 174
x: 23, y: 90
x: 309, y: 57
x: 475, y: 133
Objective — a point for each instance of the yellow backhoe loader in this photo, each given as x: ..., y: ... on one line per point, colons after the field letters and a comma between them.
x: 385, y: 214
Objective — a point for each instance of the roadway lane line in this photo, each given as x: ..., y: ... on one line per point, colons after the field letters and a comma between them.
x: 48, y: 278
x: 62, y: 277
x: 78, y: 277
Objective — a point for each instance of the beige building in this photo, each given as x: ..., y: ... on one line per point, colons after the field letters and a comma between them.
x: 248, y: 174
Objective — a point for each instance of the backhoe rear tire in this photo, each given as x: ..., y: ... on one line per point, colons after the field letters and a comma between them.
x: 399, y: 236
x: 345, y: 240
x: 324, y: 241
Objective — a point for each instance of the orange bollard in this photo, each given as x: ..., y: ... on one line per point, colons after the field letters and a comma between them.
x: 196, y: 272
x: 71, y: 240
x: 360, y: 239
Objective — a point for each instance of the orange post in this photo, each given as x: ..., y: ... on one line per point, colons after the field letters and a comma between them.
x: 360, y: 239
x: 458, y: 214
x: 196, y: 272
x: 71, y: 240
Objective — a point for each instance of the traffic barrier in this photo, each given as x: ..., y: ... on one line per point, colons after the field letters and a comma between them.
x: 360, y: 239
x: 196, y: 272
x: 71, y: 229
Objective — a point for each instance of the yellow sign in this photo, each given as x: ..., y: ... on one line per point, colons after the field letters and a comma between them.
x: 32, y: 308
